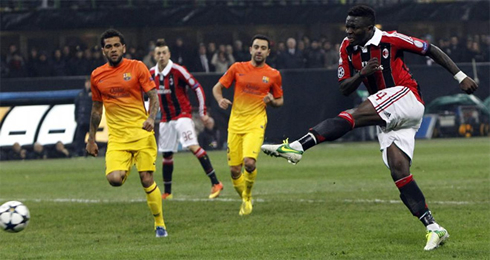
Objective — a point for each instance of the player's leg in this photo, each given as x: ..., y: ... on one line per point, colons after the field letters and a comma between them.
x: 167, y: 171
x: 250, y: 173
x: 188, y: 138
x: 251, y: 150
x: 402, y: 118
x: 235, y: 161
x: 118, y: 164
x: 145, y: 159
x: 328, y: 130
x: 202, y: 156
x: 167, y: 145
x: 412, y: 196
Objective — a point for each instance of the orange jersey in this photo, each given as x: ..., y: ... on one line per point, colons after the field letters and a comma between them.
x: 121, y: 90
x: 251, y: 86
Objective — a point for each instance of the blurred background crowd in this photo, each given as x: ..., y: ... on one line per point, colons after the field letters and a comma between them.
x: 292, y: 53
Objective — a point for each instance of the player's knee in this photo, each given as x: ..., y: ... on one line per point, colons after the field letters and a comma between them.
x: 114, y: 179
x: 235, y: 170
x: 249, y: 164
x: 146, y: 179
x: 168, y: 155
x: 399, y: 169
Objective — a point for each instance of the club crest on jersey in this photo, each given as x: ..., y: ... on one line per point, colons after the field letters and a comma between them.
x: 265, y: 79
x: 386, y: 53
x: 127, y: 76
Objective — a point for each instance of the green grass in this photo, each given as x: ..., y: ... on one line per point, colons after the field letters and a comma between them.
x: 339, y: 202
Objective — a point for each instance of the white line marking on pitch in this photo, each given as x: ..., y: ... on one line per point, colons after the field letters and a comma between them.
x: 88, y: 201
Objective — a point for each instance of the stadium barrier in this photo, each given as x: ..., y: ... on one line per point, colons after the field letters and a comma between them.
x: 309, y: 97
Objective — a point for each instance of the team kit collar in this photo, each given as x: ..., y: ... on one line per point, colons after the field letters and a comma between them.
x: 166, y: 70
x: 375, y: 40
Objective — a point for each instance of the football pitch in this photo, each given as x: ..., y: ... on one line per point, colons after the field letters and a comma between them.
x: 339, y: 202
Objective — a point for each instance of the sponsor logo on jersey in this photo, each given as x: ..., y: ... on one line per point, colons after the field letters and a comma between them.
x: 127, y: 76
x: 341, y: 72
x: 386, y: 53
x: 265, y: 79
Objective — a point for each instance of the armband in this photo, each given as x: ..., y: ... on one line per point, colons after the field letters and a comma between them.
x: 460, y: 76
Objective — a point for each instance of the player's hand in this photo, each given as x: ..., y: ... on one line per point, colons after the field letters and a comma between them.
x: 149, y: 124
x: 205, y: 119
x: 268, y: 98
x: 224, y: 103
x: 371, y: 67
x: 468, y: 85
x: 92, y: 148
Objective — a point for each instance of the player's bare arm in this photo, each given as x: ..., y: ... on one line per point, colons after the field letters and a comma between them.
x: 466, y: 83
x: 95, y: 118
x: 273, y: 102
x: 149, y: 123
x: 347, y: 86
x: 218, y: 95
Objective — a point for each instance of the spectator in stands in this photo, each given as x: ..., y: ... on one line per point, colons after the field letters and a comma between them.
x: 67, y: 54
x: 201, y: 62
x: 77, y: 66
x: 222, y: 61
x: 38, y: 152
x: 83, y: 108
x: 180, y: 53
x: 331, y: 56
x: 59, y: 151
x: 43, y: 67
x: 17, y: 153
x: 59, y: 64
x: 32, y: 60
x: 132, y: 52
x: 12, y: 50
x: 278, y: 61
x: 239, y: 52
x: 316, y: 56
x: 97, y: 58
x: 87, y: 60
x: 148, y: 60
x: 292, y: 58
x: 456, y: 51
x: 211, y: 50
x: 16, y: 65
x: 229, y: 51
x: 210, y: 137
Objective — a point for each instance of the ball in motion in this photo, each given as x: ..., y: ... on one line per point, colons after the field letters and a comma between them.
x: 14, y: 216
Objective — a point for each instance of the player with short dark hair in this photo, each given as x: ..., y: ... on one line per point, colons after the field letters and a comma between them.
x: 375, y: 58
x: 256, y: 86
x: 176, y: 125
x: 119, y: 86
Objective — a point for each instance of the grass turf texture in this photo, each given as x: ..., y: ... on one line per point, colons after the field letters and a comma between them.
x: 339, y: 202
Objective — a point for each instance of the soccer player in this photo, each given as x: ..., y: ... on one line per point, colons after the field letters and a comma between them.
x: 176, y: 125
x: 119, y: 86
x: 256, y: 86
x: 375, y: 58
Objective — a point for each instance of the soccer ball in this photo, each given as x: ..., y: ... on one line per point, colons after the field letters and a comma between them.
x: 14, y: 216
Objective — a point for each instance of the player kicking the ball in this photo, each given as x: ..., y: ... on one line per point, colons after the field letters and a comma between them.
x: 374, y: 57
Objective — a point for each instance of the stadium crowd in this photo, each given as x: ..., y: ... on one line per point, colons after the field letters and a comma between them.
x: 213, y: 57
x: 36, y: 151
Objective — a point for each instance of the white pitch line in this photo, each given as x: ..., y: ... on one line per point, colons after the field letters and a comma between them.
x: 100, y: 201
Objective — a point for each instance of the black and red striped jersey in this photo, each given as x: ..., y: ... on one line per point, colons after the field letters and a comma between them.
x: 388, y: 47
x: 172, y: 85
